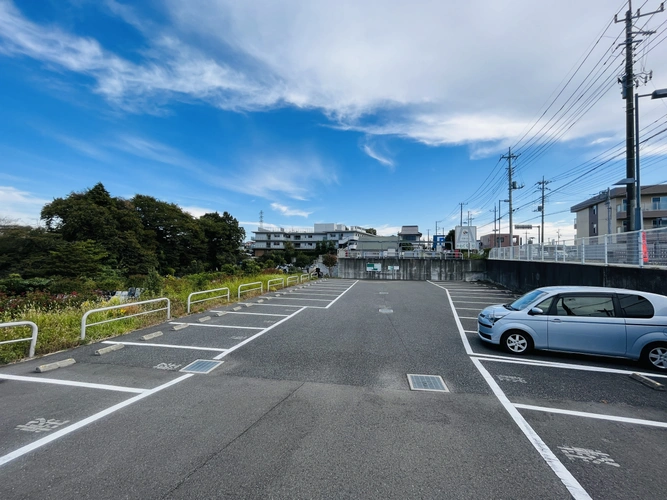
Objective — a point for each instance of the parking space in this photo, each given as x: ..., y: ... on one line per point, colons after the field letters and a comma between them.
x: 141, y: 363
x: 597, y: 424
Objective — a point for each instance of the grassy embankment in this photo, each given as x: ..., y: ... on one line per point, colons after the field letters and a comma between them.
x: 60, y: 327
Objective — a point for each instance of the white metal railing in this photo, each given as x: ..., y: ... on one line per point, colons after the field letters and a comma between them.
x: 292, y: 280
x: 32, y: 338
x: 301, y: 278
x: 277, y: 281
x: 88, y: 313
x: 637, y: 248
x: 389, y: 254
x: 207, y: 298
x: 260, y: 287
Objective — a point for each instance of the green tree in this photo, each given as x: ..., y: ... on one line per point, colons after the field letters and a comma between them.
x: 330, y: 260
x: 178, y: 237
x: 78, y: 259
x: 370, y: 230
x: 223, y: 237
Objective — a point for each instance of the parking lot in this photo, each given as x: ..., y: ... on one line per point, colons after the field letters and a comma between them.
x: 303, y: 393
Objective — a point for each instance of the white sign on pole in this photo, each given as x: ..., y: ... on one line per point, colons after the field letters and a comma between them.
x: 465, y: 237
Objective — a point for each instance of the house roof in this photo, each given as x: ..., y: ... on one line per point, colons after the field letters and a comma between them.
x: 409, y: 231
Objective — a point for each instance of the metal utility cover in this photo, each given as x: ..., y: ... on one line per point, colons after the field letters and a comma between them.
x: 201, y: 366
x: 386, y: 311
x: 427, y: 383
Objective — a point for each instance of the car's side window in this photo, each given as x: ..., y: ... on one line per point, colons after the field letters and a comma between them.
x: 635, y: 306
x: 545, y: 305
x: 585, y: 305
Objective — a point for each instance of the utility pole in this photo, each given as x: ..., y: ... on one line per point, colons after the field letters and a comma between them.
x: 512, y: 186
x: 628, y: 81
x: 608, y: 203
x: 461, y: 203
x: 543, y: 185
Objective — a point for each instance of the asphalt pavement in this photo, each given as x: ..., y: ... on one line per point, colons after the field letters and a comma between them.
x: 308, y: 397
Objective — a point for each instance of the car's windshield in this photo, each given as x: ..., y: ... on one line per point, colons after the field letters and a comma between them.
x: 523, y: 301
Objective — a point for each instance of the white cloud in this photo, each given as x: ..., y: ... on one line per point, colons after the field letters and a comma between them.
x: 432, y: 72
x: 197, y: 211
x: 289, y: 211
x: 377, y: 156
x: 20, y: 206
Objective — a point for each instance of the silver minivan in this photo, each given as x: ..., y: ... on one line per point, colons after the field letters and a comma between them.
x: 589, y: 320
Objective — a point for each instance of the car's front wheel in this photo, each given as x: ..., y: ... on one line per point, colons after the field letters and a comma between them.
x: 517, y: 342
x: 655, y: 356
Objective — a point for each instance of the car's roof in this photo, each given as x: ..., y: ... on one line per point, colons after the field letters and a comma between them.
x: 594, y: 289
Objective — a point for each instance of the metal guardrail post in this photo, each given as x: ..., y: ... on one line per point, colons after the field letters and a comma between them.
x: 32, y: 338
x: 280, y: 281
x: 209, y: 298
x: 261, y: 287
x: 302, y: 276
x: 88, y: 313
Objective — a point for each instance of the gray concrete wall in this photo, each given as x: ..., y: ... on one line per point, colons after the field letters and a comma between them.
x: 414, y: 269
x: 524, y: 276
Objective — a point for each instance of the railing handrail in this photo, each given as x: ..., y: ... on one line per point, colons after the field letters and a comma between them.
x: 281, y: 281
x: 295, y: 278
x: 32, y: 338
x: 88, y: 313
x: 208, y: 298
x: 302, y: 276
x: 261, y: 287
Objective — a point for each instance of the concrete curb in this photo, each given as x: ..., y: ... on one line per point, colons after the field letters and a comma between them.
x: 106, y: 350
x: 221, y: 313
x: 204, y: 319
x: 179, y: 327
x: 53, y: 366
x: 648, y: 382
x: 151, y: 335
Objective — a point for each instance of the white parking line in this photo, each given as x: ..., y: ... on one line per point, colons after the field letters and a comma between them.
x: 470, y: 309
x: 567, y: 366
x: 639, y: 421
x: 291, y: 297
x: 67, y: 430
x: 250, y: 339
x: 217, y: 326
x: 144, y: 344
x: 72, y: 383
x: 286, y: 305
x: 252, y: 314
x: 316, y: 294
x: 568, y: 480
x: 467, y: 317
x: 334, y: 301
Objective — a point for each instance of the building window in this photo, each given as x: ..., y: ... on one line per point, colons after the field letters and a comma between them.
x: 661, y: 222
x: 659, y: 203
x: 595, y: 209
x: 595, y: 229
x: 623, y: 206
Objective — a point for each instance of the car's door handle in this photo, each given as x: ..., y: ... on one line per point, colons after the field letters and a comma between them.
x: 555, y: 320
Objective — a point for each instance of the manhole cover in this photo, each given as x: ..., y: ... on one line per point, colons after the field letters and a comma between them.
x: 386, y: 311
x: 426, y: 383
x: 201, y: 366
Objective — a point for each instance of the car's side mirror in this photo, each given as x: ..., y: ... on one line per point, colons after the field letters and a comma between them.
x: 535, y: 311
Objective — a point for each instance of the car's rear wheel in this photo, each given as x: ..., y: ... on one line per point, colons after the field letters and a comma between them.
x: 655, y: 356
x: 517, y: 342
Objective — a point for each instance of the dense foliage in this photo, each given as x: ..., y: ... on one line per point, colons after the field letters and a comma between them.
x: 94, y: 240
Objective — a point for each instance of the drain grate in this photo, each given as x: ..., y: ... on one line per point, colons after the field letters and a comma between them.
x: 201, y: 366
x: 427, y: 383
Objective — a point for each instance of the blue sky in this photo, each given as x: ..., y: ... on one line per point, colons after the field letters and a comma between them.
x: 376, y: 113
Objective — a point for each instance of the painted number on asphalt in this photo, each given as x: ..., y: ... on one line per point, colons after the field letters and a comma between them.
x: 167, y: 366
x: 41, y: 425
x: 510, y: 378
x: 588, y: 456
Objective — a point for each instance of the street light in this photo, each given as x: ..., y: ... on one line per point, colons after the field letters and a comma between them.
x: 656, y: 94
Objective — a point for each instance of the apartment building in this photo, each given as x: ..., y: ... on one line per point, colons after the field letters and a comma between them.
x: 270, y: 239
x: 607, y: 212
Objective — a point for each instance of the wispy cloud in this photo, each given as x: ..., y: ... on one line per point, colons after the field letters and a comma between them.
x: 373, y: 153
x: 289, y: 211
x: 20, y: 206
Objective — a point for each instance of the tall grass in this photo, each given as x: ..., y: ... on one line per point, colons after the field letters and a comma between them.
x: 61, y: 328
